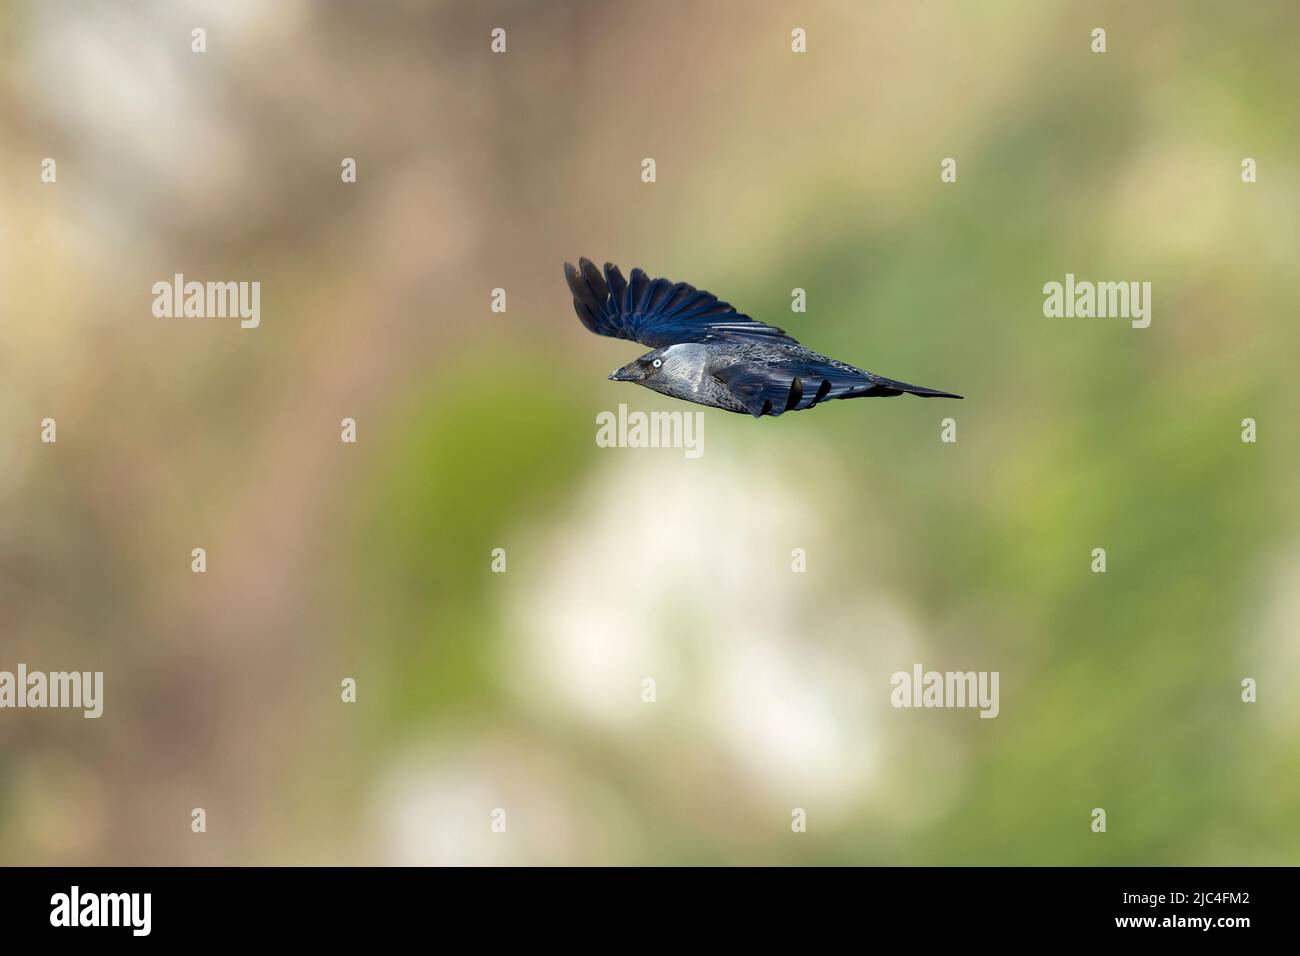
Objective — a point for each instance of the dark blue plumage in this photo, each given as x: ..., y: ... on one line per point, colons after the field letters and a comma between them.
x: 707, y: 352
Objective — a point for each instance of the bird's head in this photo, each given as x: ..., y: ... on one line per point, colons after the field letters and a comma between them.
x: 644, y: 370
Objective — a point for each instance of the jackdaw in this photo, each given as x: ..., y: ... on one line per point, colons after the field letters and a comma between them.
x: 706, y: 352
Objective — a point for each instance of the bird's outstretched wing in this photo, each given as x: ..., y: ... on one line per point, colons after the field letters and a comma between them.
x: 656, y: 312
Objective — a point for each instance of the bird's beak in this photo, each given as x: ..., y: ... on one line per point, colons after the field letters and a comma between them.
x: 620, y: 375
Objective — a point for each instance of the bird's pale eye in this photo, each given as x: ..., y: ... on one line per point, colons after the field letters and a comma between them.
x: 657, y: 362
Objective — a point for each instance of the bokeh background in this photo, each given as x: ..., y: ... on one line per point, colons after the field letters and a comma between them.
x: 476, y: 430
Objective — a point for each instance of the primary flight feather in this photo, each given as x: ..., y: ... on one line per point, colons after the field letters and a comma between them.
x: 706, y: 352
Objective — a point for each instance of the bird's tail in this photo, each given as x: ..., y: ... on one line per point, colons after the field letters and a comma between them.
x: 887, y: 386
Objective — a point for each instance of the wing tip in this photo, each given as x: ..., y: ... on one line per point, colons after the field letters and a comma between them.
x: 573, y: 278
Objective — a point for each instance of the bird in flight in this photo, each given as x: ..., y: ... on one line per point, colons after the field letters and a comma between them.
x: 704, y: 351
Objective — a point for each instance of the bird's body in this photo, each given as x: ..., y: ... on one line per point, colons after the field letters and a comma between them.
x: 706, y: 352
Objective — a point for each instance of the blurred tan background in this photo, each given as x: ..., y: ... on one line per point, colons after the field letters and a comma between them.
x: 476, y: 430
